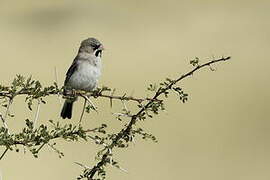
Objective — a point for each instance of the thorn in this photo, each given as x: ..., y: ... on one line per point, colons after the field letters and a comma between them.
x: 82, y: 165
x: 113, y: 91
x: 90, y: 102
x: 211, y: 68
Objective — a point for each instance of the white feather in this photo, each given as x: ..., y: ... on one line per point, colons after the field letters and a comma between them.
x: 86, y: 76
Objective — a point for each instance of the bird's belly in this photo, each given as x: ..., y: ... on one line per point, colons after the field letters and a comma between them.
x: 85, y: 78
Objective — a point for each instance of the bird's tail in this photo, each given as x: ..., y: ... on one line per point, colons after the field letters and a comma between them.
x: 67, y: 109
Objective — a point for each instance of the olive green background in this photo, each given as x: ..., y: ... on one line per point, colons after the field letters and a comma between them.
x: 221, y: 133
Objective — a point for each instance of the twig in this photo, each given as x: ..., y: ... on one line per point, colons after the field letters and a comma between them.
x: 3, y: 154
x: 97, y: 141
x: 125, y: 106
x: 40, y: 147
x: 121, y: 114
x: 56, y: 150
x: 89, y: 101
x: 111, y: 103
x: 37, y: 113
x: 56, y: 136
x: 4, y: 120
x: 117, y: 166
x: 7, y: 110
x: 56, y: 81
x: 82, y: 165
x: 55, y: 75
x: 127, y: 98
x: 84, y: 104
x: 120, y: 168
x: 123, y: 98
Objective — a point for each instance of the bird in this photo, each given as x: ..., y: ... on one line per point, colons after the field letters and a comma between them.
x: 84, y: 72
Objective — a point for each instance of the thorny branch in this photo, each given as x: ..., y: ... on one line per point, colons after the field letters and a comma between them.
x: 56, y: 132
x: 35, y: 138
x: 4, y: 120
x: 97, y: 93
x: 124, y: 133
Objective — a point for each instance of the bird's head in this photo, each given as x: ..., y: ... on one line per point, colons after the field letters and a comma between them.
x: 91, y: 46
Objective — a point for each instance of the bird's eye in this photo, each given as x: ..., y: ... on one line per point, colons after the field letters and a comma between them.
x: 98, y: 53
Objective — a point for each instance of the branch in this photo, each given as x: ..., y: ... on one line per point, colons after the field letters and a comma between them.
x: 37, y: 113
x: 35, y: 138
x: 4, y: 120
x: 124, y: 133
x: 97, y: 93
x: 69, y: 134
x: 128, y: 98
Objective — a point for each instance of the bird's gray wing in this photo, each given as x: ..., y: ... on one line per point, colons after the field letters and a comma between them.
x: 71, y: 70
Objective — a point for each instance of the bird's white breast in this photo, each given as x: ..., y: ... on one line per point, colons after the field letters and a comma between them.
x: 86, y: 76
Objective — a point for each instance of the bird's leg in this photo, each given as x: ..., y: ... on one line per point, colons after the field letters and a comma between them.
x: 70, y: 94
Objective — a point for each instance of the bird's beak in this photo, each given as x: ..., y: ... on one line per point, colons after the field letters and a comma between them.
x: 101, y: 47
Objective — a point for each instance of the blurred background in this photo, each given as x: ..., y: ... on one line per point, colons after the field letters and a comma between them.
x: 222, y: 132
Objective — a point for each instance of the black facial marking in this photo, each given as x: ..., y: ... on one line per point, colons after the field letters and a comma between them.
x: 98, y: 53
